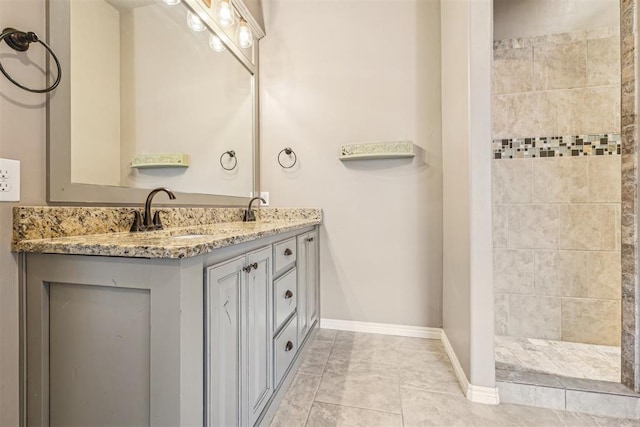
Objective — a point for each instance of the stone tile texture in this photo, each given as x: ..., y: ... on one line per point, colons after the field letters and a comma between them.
x: 354, y: 390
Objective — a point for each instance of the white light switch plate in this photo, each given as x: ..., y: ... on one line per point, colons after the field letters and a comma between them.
x: 265, y: 196
x: 9, y: 180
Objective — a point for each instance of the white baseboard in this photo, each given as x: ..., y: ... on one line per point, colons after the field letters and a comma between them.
x: 457, y: 367
x: 382, y: 328
x: 481, y: 394
x: 478, y: 394
x: 474, y: 393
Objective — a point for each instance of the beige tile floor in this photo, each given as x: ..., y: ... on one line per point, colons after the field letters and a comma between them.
x: 567, y: 359
x: 369, y: 380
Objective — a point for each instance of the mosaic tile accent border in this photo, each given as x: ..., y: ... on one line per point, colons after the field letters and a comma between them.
x: 557, y: 146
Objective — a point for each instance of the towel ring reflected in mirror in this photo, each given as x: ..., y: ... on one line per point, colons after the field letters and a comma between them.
x: 289, y: 152
x: 20, y: 41
x: 232, y: 156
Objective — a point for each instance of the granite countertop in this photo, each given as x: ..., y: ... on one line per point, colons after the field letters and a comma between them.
x: 158, y: 244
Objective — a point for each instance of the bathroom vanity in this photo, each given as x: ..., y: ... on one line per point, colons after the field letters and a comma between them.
x: 192, y: 325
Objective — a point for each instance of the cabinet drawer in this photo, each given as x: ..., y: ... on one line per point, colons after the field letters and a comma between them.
x: 284, y: 297
x: 285, y: 348
x: 284, y: 255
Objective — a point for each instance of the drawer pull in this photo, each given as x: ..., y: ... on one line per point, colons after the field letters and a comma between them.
x: 289, y: 346
x: 288, y: 295
x: 249, y: 267
x: 288, y: 252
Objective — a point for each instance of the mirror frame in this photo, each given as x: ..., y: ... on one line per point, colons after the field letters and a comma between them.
x: 60, y: 189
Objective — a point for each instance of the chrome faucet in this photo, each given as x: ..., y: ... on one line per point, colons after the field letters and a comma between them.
x: 249, y: 215
x: 146, y: 223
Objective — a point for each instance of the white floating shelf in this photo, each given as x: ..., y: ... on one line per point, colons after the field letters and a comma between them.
x: 377, y: 150
x: 160, y: 160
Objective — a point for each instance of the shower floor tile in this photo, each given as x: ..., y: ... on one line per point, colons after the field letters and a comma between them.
x: 558, y: 358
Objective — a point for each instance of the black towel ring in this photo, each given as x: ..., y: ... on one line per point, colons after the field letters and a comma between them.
x: 232, y: 155
x: 20, y: 41
x: 288, y: 151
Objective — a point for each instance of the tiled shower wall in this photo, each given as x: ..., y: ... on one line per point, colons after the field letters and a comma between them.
x: 557, y: 217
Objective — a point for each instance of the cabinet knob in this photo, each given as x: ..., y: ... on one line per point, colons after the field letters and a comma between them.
x: 289, y: 346
x: 288, y: 295
x: 250, y: 267
x: 288, y: 252
x: 309, y: 239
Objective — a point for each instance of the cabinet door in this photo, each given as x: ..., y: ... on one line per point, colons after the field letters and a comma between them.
x: 312, y: 278
x: 258, y: 351
x: 303, y: 324
x: 222, y: 342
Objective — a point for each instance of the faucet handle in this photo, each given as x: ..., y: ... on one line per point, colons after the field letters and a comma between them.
x: 137, y: 222
x: 248, y: 215
x: 157, y: 223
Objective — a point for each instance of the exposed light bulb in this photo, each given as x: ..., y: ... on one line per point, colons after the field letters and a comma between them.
x: 171, y: 2
x: 216, y: 44
x: 194, y: 22
x: 244, y: 36
x: 225, y: 13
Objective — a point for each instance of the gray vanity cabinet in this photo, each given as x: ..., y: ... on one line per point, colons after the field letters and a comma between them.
x: 307, y: 282
x: 259, y: 378
x: 238, y: 335
x: 119, y: 341
x: 223, y: 295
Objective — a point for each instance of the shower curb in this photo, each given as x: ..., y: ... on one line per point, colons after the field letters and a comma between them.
x: 610, y: 403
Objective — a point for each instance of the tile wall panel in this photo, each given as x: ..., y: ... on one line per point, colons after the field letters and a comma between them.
x: 591, y: 321
x: 513, y: 271
x: 513, y: 70
x: 560, y: 65
x: 556, y: 184
x: 533, y: 226
x: 561, y: 273
x: 534, y: 316
x: 603, y: 61
x: 513, y: 181
x: 560, y: 179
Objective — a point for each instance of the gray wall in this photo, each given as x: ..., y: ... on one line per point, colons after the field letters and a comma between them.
x: 466, y: 126
x: 335, y: 73
x: 22, y: 137
x: 382, y: 244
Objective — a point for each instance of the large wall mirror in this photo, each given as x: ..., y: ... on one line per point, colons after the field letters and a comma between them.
x: 149, y: 98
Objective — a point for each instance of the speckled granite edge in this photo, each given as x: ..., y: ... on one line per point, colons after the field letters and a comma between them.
x: 49, y: 222
x: 164, y: 244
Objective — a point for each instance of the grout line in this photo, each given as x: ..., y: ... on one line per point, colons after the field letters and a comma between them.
x: 460, y: 394
x: 315, y: 394
x: 361, y: 407
x: 313, y: 400
x: 401, y: 406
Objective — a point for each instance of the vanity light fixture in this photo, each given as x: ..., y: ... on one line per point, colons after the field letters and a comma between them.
x: 194, y: 22
x: 216, y: 44
x: 171, y: 2
x: 225, y: 13
x: 244, y: 35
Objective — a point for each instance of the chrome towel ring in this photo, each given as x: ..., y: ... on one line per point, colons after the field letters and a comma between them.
x: 288, y: 151
x: 232, y: 156
x: 20, y: 41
